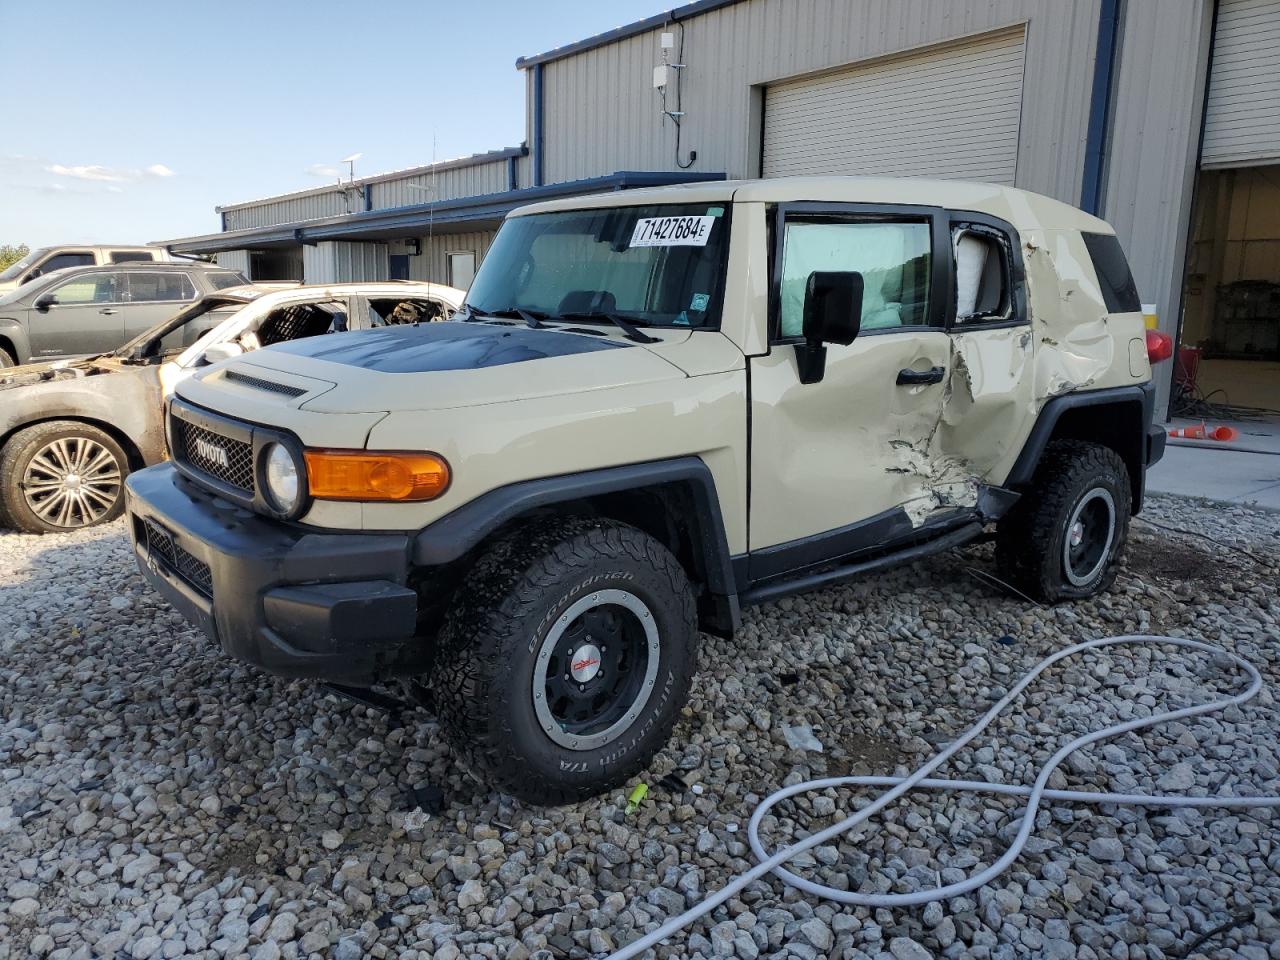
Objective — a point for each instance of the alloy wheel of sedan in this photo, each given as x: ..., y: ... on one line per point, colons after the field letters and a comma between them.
x: 72, y: 482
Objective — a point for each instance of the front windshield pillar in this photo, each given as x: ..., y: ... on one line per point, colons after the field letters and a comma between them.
x: 744, y: 318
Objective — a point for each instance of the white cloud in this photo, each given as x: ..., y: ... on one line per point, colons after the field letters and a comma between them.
x: 97, y: 172
x: 326, y: 170
x: 90, y: 172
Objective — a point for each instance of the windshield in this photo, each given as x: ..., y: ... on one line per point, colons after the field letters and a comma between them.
x: 14, y: 270
x: 659, y: 265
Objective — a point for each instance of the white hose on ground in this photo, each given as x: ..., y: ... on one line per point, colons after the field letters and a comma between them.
x: 920, y: 778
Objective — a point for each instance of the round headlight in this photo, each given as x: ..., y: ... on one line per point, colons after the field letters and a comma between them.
x: 282, y: 477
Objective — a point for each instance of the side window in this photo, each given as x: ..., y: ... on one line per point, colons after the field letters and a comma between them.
x: 153, y: 287
x: 393, y: 311
x: 130, y: 256
x: 984, y: 292
x: 300, y: 320
x: 894, y: 258
x: 220, y: 280
x: 58, y: 261
x: 1118, y: 290
x: 95, y: 288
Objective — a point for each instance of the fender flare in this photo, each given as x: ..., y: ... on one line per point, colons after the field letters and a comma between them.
x: 450, y: 537
x: 1147, y: 447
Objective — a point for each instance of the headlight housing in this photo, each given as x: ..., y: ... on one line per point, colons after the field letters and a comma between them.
x: 282, y: 476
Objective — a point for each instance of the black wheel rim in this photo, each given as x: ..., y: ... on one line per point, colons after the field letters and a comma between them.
x: 595, y: 669
x: 1089, y: 535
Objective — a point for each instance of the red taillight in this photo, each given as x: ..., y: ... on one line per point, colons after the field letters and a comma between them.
x: 1159, y: 346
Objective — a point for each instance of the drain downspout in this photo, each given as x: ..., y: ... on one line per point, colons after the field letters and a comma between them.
x: 1099, y: 131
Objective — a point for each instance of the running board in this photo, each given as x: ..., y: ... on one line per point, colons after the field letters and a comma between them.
x: 812, y: 581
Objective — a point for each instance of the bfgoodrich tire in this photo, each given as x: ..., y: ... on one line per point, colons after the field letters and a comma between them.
x: 61, y: 476
x: 1062, y: 540
x: 566, y: 658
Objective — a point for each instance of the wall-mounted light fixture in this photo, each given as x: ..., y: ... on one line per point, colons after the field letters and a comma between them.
x: 414, y: 247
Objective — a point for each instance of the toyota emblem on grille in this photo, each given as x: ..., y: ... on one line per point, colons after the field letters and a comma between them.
x: 212, y: 452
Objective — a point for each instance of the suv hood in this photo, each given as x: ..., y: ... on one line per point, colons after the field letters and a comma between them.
x: 437, y: 366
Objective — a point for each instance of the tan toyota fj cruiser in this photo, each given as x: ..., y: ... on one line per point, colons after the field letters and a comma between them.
x: 656, y: 407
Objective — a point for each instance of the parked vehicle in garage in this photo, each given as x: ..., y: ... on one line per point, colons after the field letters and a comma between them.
x: 71, y: 431
x: 89, y: 310
x: 657, y: 406
x: 48, y: 259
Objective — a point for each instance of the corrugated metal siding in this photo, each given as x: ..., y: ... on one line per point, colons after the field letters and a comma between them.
x: 469, y: 181
x: 1243, y: 120
x: 307, y: 207
x: 602, y: 113
x: 339, y: 261
x: 949, y: 111
x: 433, y: 263
x: 1151, y: 163
x: 237, y: 260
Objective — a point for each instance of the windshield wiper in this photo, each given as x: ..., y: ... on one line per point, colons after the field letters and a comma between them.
x: 631, y: 331
x: 531, y: 318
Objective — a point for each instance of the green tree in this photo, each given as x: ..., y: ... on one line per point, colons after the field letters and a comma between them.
x: 12, y: 253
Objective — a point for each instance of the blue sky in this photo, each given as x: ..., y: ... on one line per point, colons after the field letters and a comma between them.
x: 129, y: 122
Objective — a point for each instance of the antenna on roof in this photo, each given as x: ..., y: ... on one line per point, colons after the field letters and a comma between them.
x: 351, y: 165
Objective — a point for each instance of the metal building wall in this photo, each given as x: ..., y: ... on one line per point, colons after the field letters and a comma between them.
x: 602, y: 114
x: 237, y: 260
x: 1243, y: 122
x: 307, y: 206
x: 469, y: 181
x: 1152, y: 155
x: 433, y: 264
x: 339, y: 261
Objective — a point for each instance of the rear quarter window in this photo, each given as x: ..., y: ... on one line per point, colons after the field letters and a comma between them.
x: 1118, y: 290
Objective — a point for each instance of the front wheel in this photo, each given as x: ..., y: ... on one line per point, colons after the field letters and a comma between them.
x: 566, y: 659
x: 61, y: 476
x: 1062, y: 540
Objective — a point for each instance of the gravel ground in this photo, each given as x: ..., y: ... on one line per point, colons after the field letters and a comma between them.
x: 158, y: 800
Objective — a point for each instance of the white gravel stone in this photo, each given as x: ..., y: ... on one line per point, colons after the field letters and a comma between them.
x: 159, y: 799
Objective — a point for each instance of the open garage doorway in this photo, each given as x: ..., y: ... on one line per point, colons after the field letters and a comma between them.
x: 1230, y: 343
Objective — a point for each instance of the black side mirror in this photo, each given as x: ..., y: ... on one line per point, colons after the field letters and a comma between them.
x: 832, y: 314
x: 45, y: 302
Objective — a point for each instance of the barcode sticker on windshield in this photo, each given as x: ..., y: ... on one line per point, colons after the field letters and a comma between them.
x: 672, y: 231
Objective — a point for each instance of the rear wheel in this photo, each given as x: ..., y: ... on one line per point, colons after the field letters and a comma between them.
x: 1063, y: 538
x: 61, y: 476
x: 7, y: 359
x: 565, y: 661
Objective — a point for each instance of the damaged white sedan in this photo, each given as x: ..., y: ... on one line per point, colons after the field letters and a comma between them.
x: 71, y: 431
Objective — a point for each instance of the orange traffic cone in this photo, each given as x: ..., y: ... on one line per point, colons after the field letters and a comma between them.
x: 1202, y: 432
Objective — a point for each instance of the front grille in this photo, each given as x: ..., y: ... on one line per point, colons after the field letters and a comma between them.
x: 223, y: 458
x: 269, y: 385
x: 161, y: 545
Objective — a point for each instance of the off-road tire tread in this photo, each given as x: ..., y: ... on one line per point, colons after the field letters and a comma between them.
x: 1022, y: 534
x: 13, y: 512
x: 501, y: 595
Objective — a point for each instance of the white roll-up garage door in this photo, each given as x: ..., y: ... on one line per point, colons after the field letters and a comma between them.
x: 1242, y: 119
x: 950, y: 112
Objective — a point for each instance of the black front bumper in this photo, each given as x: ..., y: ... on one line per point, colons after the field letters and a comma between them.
x: 292, y: 601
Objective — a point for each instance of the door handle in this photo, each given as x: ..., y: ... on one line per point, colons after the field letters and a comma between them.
x: 908, y: 376
x: 108, y: 311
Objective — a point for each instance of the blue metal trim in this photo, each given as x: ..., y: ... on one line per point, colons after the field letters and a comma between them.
x: 368, y: 196
x: 491, y: 206
x: 513, y: 176
x: 222, y: 214
x: 1104, y: 69
x: 693, y: 9
x: 537, y: 125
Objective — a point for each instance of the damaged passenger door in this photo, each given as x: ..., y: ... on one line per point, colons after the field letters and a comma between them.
x: 989, y: 403
x: 844, y: 463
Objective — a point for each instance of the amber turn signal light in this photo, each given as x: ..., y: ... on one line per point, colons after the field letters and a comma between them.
x: 374, y: 475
